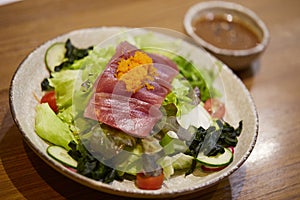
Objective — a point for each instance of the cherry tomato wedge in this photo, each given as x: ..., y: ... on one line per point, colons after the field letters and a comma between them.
x: 149, y: 182
x: 215, y: 108
x: 50, y: 98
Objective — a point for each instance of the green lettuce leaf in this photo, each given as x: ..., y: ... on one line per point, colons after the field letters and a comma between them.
x: 182, y: 96
x: 179, y: 161
x: 91, y: 67
x: 51, y: 128
x: 150, y: 43
x: 67, y: 115
x: 63, y: 83
x: 198, y: 78
x: 78, y: 80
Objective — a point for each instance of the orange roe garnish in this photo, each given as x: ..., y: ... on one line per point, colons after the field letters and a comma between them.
x: 136, y: 71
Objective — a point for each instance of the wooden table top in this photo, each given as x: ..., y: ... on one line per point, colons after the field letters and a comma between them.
x: 273, y: 169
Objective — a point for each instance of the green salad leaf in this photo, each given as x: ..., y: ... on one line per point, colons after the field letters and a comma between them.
x: 178, y: 161
x: 63, y: 83
x: 182, y: 96
x: 51, y: 128
x: 89, y: 70
x: 198, y: 78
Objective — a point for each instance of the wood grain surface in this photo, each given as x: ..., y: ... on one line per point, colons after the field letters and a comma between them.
x: 273, y: 169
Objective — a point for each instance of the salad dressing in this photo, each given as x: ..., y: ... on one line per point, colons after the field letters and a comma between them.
x: 225, y: 32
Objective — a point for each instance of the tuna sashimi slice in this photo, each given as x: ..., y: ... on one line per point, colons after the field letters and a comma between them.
x: 130, y: 115
x: 135, y: 113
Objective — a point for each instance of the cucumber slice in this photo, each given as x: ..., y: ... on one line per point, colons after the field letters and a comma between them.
x: 216, y: 161
x: 211, y: 169
x: 55, y: 55
x: 60, y: 154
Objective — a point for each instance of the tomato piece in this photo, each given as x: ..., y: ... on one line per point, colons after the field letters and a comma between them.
x: 147, y: 182
x: 50, y: 98
x: 215, y: 108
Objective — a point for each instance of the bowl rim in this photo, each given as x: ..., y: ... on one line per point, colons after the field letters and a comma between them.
x: 195, y: 9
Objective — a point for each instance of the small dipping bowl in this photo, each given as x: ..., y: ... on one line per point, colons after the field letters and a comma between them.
x: 232, y: 33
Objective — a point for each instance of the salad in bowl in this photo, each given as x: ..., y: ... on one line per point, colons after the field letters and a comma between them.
x: 137, y: 108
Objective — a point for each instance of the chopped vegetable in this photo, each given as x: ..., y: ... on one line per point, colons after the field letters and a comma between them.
x: 213, y: 142
x: 206, y: 168
x: 149, y: 182
x: 49, y: 127
x: 199, y: 79
x: 61, y: 154
x: 63, y: 83
x: 197, y: 117
x: 90, y: 166
x: 229, y: 135
x: 55, y: 55
x: 50, y: 98
x: 72, y: 54
x: 218, y: 160
x: 179, y: 161
x: 215, y: 108
x: 45, y: 85
x: 182, y: 96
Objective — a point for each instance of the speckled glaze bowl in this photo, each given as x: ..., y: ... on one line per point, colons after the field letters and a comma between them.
x: 25, y: 87
x: 235, y: 59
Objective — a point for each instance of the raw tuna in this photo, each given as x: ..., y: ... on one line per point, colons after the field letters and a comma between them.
x: 135, y: 113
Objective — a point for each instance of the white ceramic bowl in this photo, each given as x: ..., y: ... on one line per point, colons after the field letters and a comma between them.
x: 235, y: 59
x: 25, y: 85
